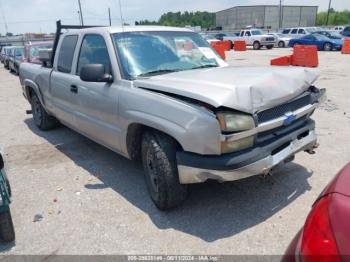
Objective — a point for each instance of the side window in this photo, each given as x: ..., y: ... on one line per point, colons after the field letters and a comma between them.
x: 94, y: 51
x: 242, y: 33
x: 66, y: 53
x: 247, y: 33
x: 301, y: 31
x: 294, y: 31
x: 286, y: 31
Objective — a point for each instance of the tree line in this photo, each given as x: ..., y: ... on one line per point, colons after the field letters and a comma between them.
x: 207, y: 20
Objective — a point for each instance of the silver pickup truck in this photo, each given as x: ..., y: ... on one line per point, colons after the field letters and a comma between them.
x: 162, y: 95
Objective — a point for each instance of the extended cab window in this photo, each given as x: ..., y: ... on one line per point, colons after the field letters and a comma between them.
x: 94, y: 51
x: 301, y: 31
x: 247, y: 33
x: 294, y: 31
x: 65, y: 57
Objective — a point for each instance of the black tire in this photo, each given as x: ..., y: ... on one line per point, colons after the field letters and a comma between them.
x: 327, y: 47
x: 281, y: 44
x: 269, y: 46
x: 41, y: 118
x: 160, y: 169
x: 232, y: 45
x: 7, y: 231
x: 256, y: 45
x: 9, y: 190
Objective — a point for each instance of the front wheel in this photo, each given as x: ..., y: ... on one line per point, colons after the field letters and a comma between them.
x: 256, y: 45
x: 160, y: 169
x: 281, y: 44
x: 327, y: 47
x: 7, y: 231
x: 269, y: 46
x: 41, y: 118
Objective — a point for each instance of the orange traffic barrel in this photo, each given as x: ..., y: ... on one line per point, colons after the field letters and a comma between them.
x: 304, y: 55
x: 220, y: 48
x: 240, y: 45
x: 282, y: 61
x: 346, y: 46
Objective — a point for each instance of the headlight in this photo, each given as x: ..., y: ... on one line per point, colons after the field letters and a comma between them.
x: 235, y: 122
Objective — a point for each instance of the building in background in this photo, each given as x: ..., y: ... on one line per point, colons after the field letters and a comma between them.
x: 266, y: 17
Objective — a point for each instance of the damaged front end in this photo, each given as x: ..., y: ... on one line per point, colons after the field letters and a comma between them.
x: 278, y: 134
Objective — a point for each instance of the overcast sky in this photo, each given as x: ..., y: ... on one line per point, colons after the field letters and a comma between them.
x: 40, y: 15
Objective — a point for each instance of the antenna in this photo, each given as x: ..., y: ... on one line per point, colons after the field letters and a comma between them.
x: 109, y: 16
x: 121, y: 14
x: 81, y: 13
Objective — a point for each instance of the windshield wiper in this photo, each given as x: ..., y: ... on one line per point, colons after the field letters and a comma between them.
x: 160, y: 71
x: 204, y: 66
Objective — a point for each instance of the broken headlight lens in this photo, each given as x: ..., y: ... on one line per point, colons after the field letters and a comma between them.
x: 235, y: 122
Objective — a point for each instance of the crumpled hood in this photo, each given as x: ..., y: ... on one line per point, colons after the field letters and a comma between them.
x: 247, y: 89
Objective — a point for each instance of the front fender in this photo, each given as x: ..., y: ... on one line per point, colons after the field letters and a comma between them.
x: 194, y: 128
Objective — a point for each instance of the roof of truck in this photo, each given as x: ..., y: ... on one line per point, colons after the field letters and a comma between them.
x: 120, y: 29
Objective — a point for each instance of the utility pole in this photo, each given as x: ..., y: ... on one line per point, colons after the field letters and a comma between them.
x: 81, y: 13
x: 329, y: 9
x: 4, y: 18
x: 109, y: 16
x: 280, y: 16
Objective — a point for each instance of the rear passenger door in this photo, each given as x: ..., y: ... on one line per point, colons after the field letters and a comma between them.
x: 64, y: 100
x: 98, y: 102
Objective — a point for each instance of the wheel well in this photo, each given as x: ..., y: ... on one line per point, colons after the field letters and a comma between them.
x: 134, y: 139
x: 29, y: 92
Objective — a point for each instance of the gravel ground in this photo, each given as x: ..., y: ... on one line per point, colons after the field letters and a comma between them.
x: 72, y: 196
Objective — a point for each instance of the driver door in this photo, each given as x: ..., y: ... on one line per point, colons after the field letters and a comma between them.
x: 97, y: 102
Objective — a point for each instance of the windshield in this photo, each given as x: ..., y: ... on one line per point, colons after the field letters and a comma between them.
x: 145, y: 54
x: 19, y: 51
x: 257, y: 32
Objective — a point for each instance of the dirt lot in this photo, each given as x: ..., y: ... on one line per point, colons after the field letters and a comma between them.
x: 86, y: 199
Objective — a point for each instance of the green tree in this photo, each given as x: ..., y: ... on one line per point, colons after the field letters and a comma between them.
x: 335, y: 18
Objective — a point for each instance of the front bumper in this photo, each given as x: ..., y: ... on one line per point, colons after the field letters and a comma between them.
x: 195, y: 168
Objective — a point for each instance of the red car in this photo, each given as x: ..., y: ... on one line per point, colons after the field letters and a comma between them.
x: 326, y: 232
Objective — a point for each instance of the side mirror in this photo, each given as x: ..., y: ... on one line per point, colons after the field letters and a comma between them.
x: 95, y: 73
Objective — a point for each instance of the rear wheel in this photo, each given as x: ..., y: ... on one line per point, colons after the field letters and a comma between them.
x: 256, y: 45
x: 160, y: 169
x: 269, y: 46
x: 327, y: 47
x: 281, y: 44
x: 7, y: 231
x: 41, y: 118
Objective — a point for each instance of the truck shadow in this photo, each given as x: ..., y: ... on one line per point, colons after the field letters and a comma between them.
x: 213, y: 211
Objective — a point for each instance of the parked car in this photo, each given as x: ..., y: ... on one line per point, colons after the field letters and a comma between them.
x: 329, y: 34
x: 338, y: 28
x: 232, y: 37
x: 220, y: 36
x: 210, y: 38
x: 7, y: 232
x: 326, y: 232
x: 31, y: 51
x: 299, y: 31
x: 322, y: 42
x: 179, y: 108
x: 16, y: 57
x: 257, y: 39
x: 346, y: 31
x: 7, y: 55
x: 281, y: 39
x: 3, y: 54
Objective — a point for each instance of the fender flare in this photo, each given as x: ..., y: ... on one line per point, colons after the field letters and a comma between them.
x: 31, y: 84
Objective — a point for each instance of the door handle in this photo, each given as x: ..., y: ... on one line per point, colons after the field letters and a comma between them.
x: 74, y: 89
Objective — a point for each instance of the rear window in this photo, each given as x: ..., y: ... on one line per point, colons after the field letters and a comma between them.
x: 286, y: 31
x: 66, y: 53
